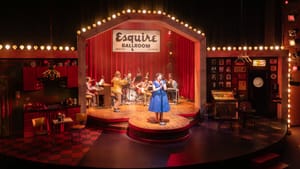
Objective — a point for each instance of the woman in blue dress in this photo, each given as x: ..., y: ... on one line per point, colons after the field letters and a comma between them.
x: 159, y: 102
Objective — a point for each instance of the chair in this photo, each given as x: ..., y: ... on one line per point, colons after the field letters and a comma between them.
x: 40, y: 127
x: 247, y: 113
x: 79, y: 123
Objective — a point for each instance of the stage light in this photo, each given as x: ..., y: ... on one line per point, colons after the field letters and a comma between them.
x: 291, y: 18
x: 292, y: 42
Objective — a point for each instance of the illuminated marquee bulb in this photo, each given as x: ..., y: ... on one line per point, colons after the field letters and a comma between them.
x: 7, y: 47
x: 22, y: 47
x: 29, y: 47
x: 48, y: 47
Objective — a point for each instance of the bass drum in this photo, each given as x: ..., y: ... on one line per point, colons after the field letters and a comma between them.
x: 131, y: 95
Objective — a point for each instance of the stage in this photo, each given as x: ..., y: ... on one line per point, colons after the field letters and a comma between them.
x: 139, y: 123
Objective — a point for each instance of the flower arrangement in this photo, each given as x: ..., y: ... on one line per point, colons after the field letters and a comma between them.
x: 51, y: 74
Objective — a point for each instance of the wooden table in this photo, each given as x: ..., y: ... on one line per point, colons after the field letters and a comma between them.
x: 59, y: 125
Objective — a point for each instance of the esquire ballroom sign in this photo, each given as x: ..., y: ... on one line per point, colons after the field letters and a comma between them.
x: 136, y: 41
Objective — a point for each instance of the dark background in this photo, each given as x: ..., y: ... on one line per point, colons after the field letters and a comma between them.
x: 225, y: 22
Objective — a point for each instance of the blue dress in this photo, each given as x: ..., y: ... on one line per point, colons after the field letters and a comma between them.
x: 159, y: 100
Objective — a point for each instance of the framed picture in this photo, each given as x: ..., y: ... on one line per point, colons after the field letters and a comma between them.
x: 221, y: 77
x: 214, y: 85
x: 213, y: 62
x: 242, y: 85
x: 228, y: 61
x: 221, y: 61
x: 228, y: 84
x: 221, y: 84
x: 213, y: 69
x: 213, y: 77
x: 273, y: 61
x: 221, y: 68
x: 273, y: 76
x: 228, y: 69
x: 273, y: 68
x: 228, y: 76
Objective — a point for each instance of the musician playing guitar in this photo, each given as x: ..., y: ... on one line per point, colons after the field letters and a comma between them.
x: 144, y: 89
x: 172, y: 88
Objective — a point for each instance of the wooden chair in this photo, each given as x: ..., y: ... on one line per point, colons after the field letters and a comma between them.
x: 79, y: 124
x: 40, y: 127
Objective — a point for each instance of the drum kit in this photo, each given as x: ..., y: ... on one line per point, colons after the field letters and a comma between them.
x: 131, y: 95
x: 135, y: 94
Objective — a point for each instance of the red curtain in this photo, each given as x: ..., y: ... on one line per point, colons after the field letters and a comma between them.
x: 101, y: 60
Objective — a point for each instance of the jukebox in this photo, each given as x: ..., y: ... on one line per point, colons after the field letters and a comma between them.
x: 225, y: 105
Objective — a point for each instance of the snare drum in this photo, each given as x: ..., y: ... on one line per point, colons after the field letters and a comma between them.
x: 131, y: 95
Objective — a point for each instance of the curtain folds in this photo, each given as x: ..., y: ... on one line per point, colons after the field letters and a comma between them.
x: 101, y: 60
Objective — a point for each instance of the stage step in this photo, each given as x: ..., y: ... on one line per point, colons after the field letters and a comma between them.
x: 119, y: 127
x: 279, y: 165
x: 265, y: 160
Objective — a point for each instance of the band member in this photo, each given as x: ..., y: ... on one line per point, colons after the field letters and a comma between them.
x: 100, y: 84
x: 159, y: 102
x: 139, y: 76
x: 101, y: 81
x: 143, y: 89
x: 92, y: 90
x: 147, y: 75
x: 116, y: 89
x: 172, y: 88
x: 127, y: 88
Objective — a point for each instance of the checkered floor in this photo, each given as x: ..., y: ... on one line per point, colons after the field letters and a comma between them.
x: 62, y: 149
x: 71, y: 151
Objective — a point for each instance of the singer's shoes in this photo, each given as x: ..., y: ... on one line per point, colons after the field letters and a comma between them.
x: 162, y: 123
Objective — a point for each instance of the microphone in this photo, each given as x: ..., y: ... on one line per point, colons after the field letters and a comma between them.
x: 162, y: 82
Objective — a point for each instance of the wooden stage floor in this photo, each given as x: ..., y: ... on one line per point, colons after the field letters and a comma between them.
x: 183, y: 108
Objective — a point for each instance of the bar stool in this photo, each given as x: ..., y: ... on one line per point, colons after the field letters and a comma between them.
x: 89, y: 100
